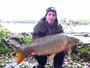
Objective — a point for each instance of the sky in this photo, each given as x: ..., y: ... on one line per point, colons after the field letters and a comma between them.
x: 35, y: 9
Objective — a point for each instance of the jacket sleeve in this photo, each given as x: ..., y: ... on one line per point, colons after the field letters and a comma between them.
x: 38, y: 31
x: 59, y: 29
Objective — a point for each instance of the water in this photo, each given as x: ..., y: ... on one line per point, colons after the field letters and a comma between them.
x: 77, y: 28
x: 28, y: 27
x: 19, y: 27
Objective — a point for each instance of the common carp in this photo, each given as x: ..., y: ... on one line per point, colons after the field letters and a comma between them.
x: 48, y: 45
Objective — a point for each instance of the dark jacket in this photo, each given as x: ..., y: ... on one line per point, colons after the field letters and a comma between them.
x: 43, y: 28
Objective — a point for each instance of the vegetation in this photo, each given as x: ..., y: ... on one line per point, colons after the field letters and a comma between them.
x: 5, y: 36
x: 81, y: 51
x: 5, y: 49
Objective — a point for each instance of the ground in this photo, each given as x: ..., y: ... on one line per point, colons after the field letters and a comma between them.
x: 29, y: 62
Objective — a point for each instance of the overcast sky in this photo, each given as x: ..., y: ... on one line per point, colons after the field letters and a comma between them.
x: 35, y: 9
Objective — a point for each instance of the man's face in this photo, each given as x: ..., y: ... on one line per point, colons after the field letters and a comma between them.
x: 50, y: 17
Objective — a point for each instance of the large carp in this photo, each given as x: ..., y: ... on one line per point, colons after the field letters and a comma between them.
x: 48, y: 45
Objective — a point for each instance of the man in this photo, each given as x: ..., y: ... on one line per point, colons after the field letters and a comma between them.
x: 48, y: 25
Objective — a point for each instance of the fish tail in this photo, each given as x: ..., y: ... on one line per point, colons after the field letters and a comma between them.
x: 19, y: 54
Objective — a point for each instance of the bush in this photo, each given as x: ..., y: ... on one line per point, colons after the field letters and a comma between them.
x: 83, y: 52
x: 6, y: 35
x: 4, y: 48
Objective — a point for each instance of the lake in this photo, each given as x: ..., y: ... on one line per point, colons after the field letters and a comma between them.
x: 19, y: 27
x: 28, y: 27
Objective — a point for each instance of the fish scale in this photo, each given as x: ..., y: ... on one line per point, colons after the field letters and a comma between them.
x: 48, y: 45
x: 52, y: 46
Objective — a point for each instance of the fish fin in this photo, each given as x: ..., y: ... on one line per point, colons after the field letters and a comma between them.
x: 69, y: 50
x: 51, y: 57
x: 20, y: 56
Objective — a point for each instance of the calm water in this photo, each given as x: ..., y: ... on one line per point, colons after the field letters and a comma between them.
x: 20, y: 27
x: 77, y: 28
